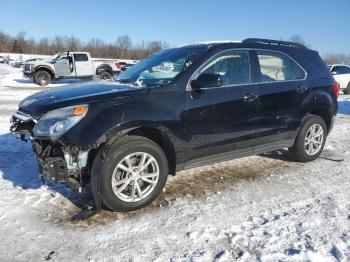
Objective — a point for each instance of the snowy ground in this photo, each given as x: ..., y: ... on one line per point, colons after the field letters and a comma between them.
x: 13, y: 77
x: 257, y: 208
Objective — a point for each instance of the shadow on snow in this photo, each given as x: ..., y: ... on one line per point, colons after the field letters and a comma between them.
x: 18, y: 165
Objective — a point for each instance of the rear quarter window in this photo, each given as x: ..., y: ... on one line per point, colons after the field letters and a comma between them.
x: 275, y: 66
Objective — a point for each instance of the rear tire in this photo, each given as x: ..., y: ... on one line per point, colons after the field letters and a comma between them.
x: 106, y: 75
x: 42, y: 78
x: 133, y: 173
x: 310, y: 140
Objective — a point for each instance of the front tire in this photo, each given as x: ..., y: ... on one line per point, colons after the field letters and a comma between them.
x: 42, y: 78
x: 310, y: 140
x: 133, y: 173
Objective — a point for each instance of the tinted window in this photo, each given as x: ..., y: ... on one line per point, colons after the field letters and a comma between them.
x: 80, y: 57
x: 232, y: 66
x: 346, y: 70
x: 278, y: 67
x: 341, y: 70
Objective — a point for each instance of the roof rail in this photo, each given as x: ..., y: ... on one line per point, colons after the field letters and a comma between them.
x: 272, y: 42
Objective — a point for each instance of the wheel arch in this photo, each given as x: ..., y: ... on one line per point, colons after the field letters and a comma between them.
x: 321, y: 104
x: 325, y: 114
x: 45, y: 68
x: 148, y: 130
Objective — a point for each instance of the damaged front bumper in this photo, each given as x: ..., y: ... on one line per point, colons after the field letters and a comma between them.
x: 58, y: 162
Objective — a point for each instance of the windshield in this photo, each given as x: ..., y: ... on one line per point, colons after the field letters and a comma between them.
x: 54, y: 56
x: 162, y: 67
x: 59, y: 56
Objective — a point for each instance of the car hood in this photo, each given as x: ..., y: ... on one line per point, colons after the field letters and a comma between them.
x: 42, y: 102
x: 46, y: 62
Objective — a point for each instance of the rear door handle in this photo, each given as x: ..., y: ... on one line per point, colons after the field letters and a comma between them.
x: 302, y: 89
x: 250, y: 97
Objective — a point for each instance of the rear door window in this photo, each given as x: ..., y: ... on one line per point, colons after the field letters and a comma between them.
x: 343, y: 70
x: 80, y: 57
x: 275, y: 66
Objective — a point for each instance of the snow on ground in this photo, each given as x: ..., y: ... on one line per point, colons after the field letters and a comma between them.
x: 259, y: 208
x: 22, y: 57
x: 13, y: 77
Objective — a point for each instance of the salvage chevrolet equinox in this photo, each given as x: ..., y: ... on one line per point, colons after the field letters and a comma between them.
x: 180, y: 108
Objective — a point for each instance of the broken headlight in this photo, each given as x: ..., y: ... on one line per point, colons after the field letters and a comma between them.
x: 56, y: 122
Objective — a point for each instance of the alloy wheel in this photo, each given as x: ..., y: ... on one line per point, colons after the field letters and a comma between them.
x: 135, y: 177
x: 313, y: 139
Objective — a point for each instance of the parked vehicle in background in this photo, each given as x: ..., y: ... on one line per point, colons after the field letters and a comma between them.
x: 341, y: 74
x: 10, y: 61
x: 178, y: 109
x: 18, y: 64
x: 125, y: 66
x: 70, y: 65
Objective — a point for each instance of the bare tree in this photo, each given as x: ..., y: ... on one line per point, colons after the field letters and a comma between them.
x: 73, y: 43
x: 43, y: 46
x: 123, y: 47
x: 5, y: 42
x: 299, y: 40
x: 336, y: 59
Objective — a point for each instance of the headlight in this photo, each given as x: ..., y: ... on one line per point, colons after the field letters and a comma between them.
x: 57, y: 122
x: 28, y: 67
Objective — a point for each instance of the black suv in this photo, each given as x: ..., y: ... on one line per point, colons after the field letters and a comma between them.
x: 180, y: 108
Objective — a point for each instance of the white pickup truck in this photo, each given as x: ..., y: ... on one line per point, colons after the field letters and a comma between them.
x: 70, y: 65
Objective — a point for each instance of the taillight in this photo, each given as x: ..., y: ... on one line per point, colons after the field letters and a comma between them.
x: 118, y: 66
x: 336, y: 88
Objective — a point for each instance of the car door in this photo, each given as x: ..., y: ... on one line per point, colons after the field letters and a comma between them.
x: 83, y: 65
x: 62, y: 65
x: 282, y: 88
x: 222, y: 118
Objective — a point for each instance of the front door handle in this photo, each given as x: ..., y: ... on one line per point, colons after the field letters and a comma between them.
x: 250, y: 97
x: 301, y: 89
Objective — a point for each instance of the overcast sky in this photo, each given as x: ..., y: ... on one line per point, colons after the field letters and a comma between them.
x: 324, y: 24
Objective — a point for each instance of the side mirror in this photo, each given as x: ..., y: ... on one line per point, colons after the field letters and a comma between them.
x: 207, y: 80
x: 334, y: 72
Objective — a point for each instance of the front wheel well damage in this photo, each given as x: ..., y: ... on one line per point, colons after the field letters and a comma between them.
x: 97, y: 156
x: 151, y: 133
